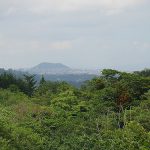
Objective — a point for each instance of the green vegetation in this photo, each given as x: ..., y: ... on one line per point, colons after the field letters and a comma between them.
x: 74, y: 79
x: 109, y: 112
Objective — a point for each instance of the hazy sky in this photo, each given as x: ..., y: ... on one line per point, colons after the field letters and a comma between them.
x: 78, y: 33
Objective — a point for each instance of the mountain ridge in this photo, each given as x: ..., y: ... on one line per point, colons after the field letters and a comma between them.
x: 46, y: 65
x: 56, y: 68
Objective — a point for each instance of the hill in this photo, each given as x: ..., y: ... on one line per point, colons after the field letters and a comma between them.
x: 75, y: 79
x: 57, y: 69
x: 49, y: 68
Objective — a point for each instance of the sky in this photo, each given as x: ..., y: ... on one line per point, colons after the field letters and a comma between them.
x: 84, y: 34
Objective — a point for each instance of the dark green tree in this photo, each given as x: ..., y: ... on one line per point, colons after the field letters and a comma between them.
x: 109, y: 73
x: 30, y: 84
x: 144, y: 73
x: 6, y: 79
x: 42, y: 81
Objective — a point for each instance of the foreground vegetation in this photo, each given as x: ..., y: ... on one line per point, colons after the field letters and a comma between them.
x: 110, y: 112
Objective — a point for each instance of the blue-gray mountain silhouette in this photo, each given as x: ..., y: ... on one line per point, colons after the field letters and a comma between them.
x: 50, y: 68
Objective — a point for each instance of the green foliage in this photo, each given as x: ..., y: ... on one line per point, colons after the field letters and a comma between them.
x: 144, y: 73
x: 94, y: 84
x: 30, y: 84
x: 13, y: 88
x: 109, y: 73
x: 110, y: 112
x: 10, y: 98
x: 6, y: 80
x: 42, y: 81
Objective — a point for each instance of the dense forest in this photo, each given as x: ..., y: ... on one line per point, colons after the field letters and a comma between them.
x: 109, y: 112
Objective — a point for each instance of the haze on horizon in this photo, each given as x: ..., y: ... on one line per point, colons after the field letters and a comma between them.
x: 78, y: 33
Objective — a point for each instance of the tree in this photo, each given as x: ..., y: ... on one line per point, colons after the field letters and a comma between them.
x: 42, y: 81
x: 109, y: 73
x: 144, y: 73
x: 95, y: 84
x: 30, y: 84
x: 6, y: 79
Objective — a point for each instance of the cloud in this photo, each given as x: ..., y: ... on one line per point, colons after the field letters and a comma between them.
x: 107, y: 4
x: 65, y: 31
x: 33, y: 45
x: 60, y: 45
x: 141, y: 45
x: 8, y: 7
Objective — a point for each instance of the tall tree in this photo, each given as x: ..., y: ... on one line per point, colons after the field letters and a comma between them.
x: 30, y: 84
x: 42, y: 80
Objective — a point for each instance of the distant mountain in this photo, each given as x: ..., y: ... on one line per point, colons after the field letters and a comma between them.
x: 76, y: 79
x: 57, y: 69
x: 48, y: 68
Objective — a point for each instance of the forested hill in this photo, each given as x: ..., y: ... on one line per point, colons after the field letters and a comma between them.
x: 11, y: 71
x: 108, y: 112
x: 74, y: 79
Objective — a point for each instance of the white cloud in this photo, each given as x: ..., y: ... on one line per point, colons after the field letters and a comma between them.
x: 146, y: 45
x: 60, y: 45
x: 21, y: 45
x: 66, y: 30
x: 46, y: 6
x: 141, y: 46
x: 108, y: 4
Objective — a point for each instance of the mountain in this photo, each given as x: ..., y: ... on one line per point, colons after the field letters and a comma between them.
x: 76, y: 79
x: 48, y: 68
x: 57, y: 69
x: 61, y: 72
